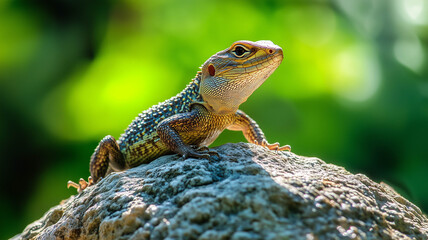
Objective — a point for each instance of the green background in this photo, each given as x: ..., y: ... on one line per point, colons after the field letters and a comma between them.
x: 352, y: 89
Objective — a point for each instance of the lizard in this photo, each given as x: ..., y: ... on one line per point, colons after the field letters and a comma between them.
x: 190, y: 121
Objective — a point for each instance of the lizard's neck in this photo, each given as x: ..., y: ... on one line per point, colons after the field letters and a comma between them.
x: 192, y: 89
x: 190, y: 94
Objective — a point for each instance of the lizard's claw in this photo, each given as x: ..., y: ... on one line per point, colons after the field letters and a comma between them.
x: 211, y: 152
x: 207, y: 150
x: 199, y: 152
x: 273, y: 146
x: 195, y: 155
x: 82, y: 185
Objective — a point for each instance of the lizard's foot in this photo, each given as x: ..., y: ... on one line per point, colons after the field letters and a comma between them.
x: 207, y: 150
x: 82, y: 185
x: 199, y: 152
x: 273, y: 146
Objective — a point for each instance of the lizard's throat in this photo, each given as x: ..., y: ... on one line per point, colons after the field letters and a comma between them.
x: 224, y: 96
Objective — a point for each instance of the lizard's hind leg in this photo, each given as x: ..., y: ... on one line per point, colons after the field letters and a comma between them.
x: 106, y: 154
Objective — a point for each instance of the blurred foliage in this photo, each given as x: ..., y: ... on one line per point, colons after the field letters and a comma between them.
x: 352, y: 89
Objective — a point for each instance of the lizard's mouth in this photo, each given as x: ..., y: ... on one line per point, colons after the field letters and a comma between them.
x: 263, y: 60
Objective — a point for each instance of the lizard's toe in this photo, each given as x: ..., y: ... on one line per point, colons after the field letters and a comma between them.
x: 206, y: 150
x: 82, y: 185
x: 213, y: 153
x: 72, y: 184
x: 196, y: 155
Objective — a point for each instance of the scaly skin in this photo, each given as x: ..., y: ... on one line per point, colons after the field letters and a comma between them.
x: 193, y: 119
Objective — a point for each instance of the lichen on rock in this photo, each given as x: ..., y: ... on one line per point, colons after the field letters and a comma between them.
x: 248, y: 192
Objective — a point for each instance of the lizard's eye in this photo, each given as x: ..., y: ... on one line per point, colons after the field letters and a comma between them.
x: 239, y: 51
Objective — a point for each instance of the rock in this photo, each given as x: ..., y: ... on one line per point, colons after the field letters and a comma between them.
x: 248, y: 192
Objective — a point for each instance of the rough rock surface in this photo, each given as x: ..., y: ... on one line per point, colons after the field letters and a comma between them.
x: 248, y: 192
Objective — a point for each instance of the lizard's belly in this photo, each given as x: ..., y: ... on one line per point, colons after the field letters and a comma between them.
x: 210, y: 138
x: 144, y: 151
x: 151, y: 147
x: 200, y: 137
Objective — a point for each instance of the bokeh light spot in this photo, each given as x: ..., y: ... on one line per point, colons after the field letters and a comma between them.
x: 410, y: 53
x: 356, y: 76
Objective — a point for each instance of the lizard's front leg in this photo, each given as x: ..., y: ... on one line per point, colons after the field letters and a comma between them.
x: 252, y: 132
x: 180, y: 131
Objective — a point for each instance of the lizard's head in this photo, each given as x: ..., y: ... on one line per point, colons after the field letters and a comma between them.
x: 229, y: 77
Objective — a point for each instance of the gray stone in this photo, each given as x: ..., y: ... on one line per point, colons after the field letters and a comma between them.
x: 248, y: 192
